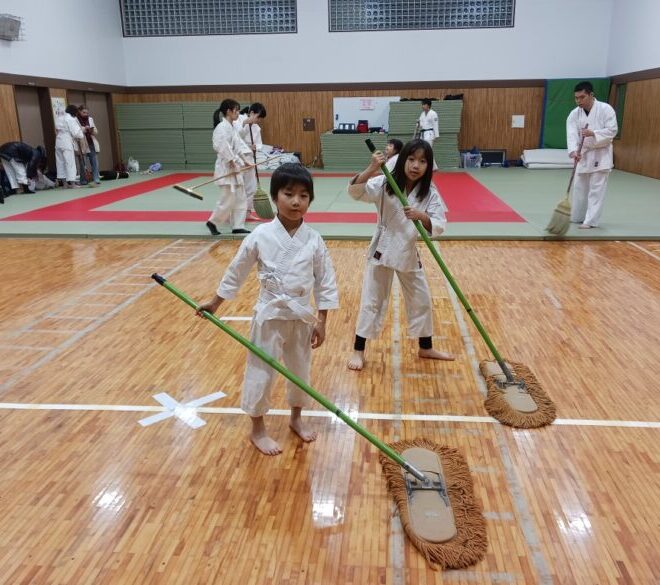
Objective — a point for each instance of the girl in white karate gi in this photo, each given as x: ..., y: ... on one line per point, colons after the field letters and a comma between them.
x: 231, y: 156
x: 393, y: 248
x: 250, y: 132
x: 292, y: 262
x: 595, y: 160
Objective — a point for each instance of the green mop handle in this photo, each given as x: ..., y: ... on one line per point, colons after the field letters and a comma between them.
x: 273, y: 363
x: 445, y: 270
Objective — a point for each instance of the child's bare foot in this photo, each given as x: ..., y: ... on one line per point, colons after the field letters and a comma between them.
x: 357, y: 361
x: 297, y: 426
x: 261, y: 440
x: 434, y: 354
x: 265, y: 444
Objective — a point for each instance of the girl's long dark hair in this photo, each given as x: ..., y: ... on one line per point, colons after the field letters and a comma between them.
x: 399, y: 172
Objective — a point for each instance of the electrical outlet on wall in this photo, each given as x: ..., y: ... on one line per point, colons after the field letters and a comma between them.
x: 309, y: 124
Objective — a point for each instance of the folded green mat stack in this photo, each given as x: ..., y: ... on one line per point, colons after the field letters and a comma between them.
x: 403, y: 119
x: 347, y: 152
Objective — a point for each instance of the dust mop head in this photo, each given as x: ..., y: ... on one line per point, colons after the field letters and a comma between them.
x: 469, y: 543
x: 499, y: 402
x: 189, y: 192
x: 561, y: 218
x: 262, y: 206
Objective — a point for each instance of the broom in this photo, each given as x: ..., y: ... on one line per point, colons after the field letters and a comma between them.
x: 468, y: 546
x: 261, y: 201
x: 522, y: 389
x: 191, y: 190
x: 561, y: 217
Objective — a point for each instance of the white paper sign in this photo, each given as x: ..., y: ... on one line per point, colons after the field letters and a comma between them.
x: 58, y: 104
x: 367, y: 104
x: 517, y: 121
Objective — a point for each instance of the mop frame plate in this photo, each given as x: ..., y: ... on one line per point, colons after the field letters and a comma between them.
x: 516, y: 394
x: 429, y: 508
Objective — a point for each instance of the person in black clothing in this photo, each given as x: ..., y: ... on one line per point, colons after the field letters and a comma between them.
x: 21, y: 163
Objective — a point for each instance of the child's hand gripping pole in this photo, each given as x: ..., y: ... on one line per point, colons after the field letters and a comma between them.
x: 273, y: 363
x: 434, y: 251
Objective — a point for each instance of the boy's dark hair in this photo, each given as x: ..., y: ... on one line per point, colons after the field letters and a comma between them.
x: 399, y: 172
x: 427, y: 102
x: 584, y: 86
x: 291, y: 174
x: 71, y: 110
x: 397, y: 144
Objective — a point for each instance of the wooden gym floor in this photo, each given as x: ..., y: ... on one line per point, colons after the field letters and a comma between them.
x: 91, y: 496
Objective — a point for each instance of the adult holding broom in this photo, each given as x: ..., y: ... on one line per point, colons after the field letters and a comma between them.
x: 594, y: 123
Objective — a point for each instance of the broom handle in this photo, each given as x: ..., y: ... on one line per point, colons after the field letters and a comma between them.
x: 575, y: 164
x: 434, y: 251
x: 273, y: 363
x: 254, y: 154
x: 241, y: 170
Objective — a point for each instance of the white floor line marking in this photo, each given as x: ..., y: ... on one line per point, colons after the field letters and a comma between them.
x: 79, y: 334
x: 517, y: 495
x: 26, y: 347
x: 553, y: 299
x: 447, y: 418
x: 60, y: 317
x: 91, y: 294
x: 185, y: 412
x: 230, y: 318
x: 641, y: 248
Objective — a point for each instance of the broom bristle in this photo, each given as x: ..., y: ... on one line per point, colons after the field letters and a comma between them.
x: 561, y: 218
x: 189, y: 192
x: 470, y: 543
x: 499, y: 408
x: 262, y: 206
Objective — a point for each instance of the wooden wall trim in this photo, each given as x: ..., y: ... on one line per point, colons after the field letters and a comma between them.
x: 637, y: 76
x: 306, y: 87
x: 33, y: 81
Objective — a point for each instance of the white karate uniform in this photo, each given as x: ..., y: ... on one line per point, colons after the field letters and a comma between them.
x: 393, y: 249
x: 249, y: 177
x: 390, y: 163
x: 593, y: 170
x: 428, y: 126
x: 229, y: 147
x: 289, y: 270
x: 67, y: 129
x: 16, y: 172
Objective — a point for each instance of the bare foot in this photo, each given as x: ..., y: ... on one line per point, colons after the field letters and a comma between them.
x: 265, y: 444
x: 357, y: 361
x: 297, y: 426
x: 434, y: 354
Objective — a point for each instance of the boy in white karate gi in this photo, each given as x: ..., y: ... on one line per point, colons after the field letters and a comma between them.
x: 249, y: 130
x: 393, y: 248
x: 292, y: 262
x: 596, y: 158
x: 231, y: 157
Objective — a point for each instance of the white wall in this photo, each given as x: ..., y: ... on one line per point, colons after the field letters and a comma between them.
x: 634, y: 39
x: 78, y: 40
x: 548, y: 41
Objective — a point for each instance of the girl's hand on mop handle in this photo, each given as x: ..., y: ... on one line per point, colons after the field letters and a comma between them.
x: 377, y: 159
x: 210, y: 307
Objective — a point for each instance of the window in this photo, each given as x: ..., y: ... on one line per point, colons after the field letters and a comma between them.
x: 157, y: 18
x: 375, y: 15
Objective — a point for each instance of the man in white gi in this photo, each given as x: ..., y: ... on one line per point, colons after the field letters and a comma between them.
x: 231, y: 152
x: 22, y: 164
x: 67, y: 130
x: 595, y: 122
x: 428, y: 123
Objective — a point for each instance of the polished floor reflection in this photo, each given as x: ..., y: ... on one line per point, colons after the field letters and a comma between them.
x: 89, y: 495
